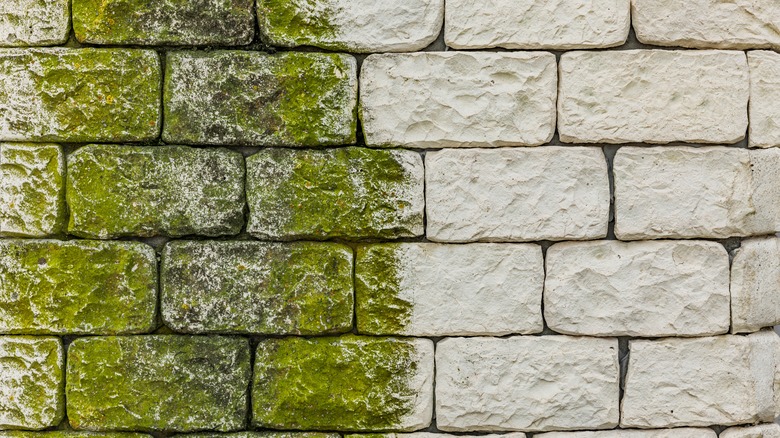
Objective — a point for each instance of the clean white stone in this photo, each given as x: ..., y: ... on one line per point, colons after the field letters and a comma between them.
x: 764, y: 99
x: 550, y: 193
x: 458, y: 99
x: 653, y: 96
x: 755, y: 282
x: 683, y: 432
x: 529, y: 383
x: 531, y: 24
x: 34, y: 22
x: 725, y: 380
x: 642, y: 288
x: 438, y: 435
x: 760, y: 431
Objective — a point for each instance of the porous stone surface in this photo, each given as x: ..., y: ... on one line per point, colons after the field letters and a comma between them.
x: 682, y: 432
x: 115, y: 191
x: 355, y: 26
x: 79, y: 95
x: 260, y: 435
x: 166, y: 22
x: 415, y: 289
x: 69, y: 434
x: 653, y: 96
x: 77, y: 287
x: 760, y: 431
x: 32, y: 190
x: 755, y: 276
x: 550, y: 193
x: 256, y: 99
x: 725, y: 380
x: 457, y: 99
x: 561, y: 383
x: 433, y: 435
x: 161, y: 382
x: 34, y: 22
x: 345, y: 383
x: 256, y: 287
x: 350, y: 193
x: 527, y: 24
x: 642, y: 288
x: 764, y: 97
x: 31, y: 382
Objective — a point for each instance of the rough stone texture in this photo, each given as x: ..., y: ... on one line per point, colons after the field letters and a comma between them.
x: 31, y: 382
x: 653, y: 96
x: 725, y: 380
x: 32, y: 190
x: 527, y: 383
x: 457, y: 99
x: 683, y: 432
x: 760, y: 431
x: 348, y: 193
x: 733, y: 24
x: 166, y: 22
x: 355, y: 26
x: 550, y: 193
x: 34, y: 22
x: 347, y: 383
x: 428, y: 289
x: 256, y: 287
x: 79, y: 95
x: 161, y: 382
x: 642, y: 288
x: 755, y: 278
x: 250, y: 98
x: 69, y: 434
x: 261, y: 435
x: 764, y: 97
x: 529, y: 24
x: 115, y: 191
x: 433, y: 435
x: 77, y: 287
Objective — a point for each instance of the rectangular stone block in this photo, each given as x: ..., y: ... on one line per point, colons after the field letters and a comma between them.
x: 458, y: 99
x: 653, y: 96
x: 683, y: 432
x: 256, y: 287
x: 32, y: 190
x: 31, y: 382
x: 527, y: 24
x: 115, y: 191
x: 354, y: 26
x: 34, y: 22
x: 255, y: 99
x: 433, y: 435
x: 261, y: 435
x: 550, y: 193
x: 724, y: 380
x: 79, y: 95
x: 528, y: 383
x: 428, y: 289
x: 158, y: 382
x: 755, y: 278
x: 764, y: 111
x: 143, y: 22
x: 644, y: 289
x: 350, y: 193
x: 69, y: 434
x: 347, y: 383
x: 760, y: 431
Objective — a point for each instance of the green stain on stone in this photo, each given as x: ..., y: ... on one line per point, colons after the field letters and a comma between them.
x: 380, y: 310
x: 292, y: 23
x: 261, y: 435
x: 70, y: 434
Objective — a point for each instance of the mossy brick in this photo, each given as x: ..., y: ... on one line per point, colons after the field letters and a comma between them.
x: 32, y: 190
x: 31, y: 382
x: 69, y: 434
x: 352, y: 193
x: 115, y: 191
x: 77, y: 287
x: 145, y: 22
x: 34, y: 22
x: 346, y: 383
x: 260, y: 435
x: 300, y: 288
x: 158, y: 382
x: 257, y: 99
x: 79, y: 95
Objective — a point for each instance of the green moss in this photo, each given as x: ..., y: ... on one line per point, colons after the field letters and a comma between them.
x: 380, y: 310
x: 69, y: 434
x: 261, y: 435
x: 292, y: 23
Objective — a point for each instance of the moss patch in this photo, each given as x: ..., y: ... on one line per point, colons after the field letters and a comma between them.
x: 69, y: 434
x: 380, y: 311
x: 292, y: 23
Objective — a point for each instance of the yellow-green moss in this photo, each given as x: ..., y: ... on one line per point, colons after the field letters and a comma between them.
x: 380, y: 310
x: 292, y: 23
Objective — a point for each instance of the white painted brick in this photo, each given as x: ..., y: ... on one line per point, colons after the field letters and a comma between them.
x: 764, y: 99
x: 760, y: 431
x: 755, y: 281
x: 683, y: 432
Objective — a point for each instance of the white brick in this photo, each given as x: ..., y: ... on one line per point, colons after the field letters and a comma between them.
x: 764, y: 99
x: 683, y: 432
x: 760, y: 431
x: 34, y: 22
x: 755, y: 280
x: 437, y: 435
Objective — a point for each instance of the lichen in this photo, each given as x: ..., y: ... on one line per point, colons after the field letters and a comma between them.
x: 380, y: 310
x: 291, y: 23
x: 69, y: 434
x: 260, y: 435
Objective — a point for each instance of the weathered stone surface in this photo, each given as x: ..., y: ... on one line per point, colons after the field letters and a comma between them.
x: 348, y: 193
x: 32, y: 190
x: 115, y: 191
x: 653, y: 96
x: 69, y: 434
x: 34, y: 22
x: 428, y: 289
x: 683, y: 432
x: 144, y: 22
x: 260, y: 435
x: 457, y: 99
x: 755, y: 278
x: 77, y: 287
x: 31, y: 382
x: 642, y: 288
x: 537, y: 383
x: 355, y: 26
x: 250, y: 98
x: 432, y: 435
x: 760, y: 431
x: 79, y: 95
x: 346, y: 383
x: 528, y: 24
x: 550, y: 193
x: 736, y: 24
x: 725, y: 380
x: 257, y: 287
x: 160, y: 382
x: 764, y: 97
